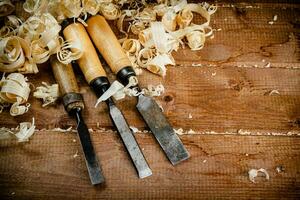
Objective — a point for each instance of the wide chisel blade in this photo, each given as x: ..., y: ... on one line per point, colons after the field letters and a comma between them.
x: 162, y: 130
x: 91, y: 160
x: 129, y: 141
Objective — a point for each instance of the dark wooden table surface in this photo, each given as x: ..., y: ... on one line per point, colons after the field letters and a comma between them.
x: 238, y: 125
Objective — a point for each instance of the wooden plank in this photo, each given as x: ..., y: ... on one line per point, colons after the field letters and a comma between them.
x: 45, y: 168
x: 245, y: 38
x: 230, y: 100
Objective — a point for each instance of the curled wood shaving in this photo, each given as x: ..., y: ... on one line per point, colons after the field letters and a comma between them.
x: 118, y: 90
x: 132, y: 46
x: 6, y: 8
x: 196, y: 40
x: 184, y: 18
x: 253, y: 173
x: 17, y: 109
x: 22, y: 133
x: 158, y: 64
x: 110, y: 11
x: 91, y: 6
x: 48, y: 93
x: 15, y: 90
x: 14, y: 51
x: 35, y: 6
x: 169, y: 20
x: 69, y: 51
x: 154, y: 91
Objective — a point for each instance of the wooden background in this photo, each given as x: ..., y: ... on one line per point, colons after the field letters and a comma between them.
x: 238, y: 125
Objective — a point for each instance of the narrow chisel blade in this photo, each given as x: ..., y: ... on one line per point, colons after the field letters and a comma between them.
x: 91, y: 160
x: 162, y: 130
x: 130, y: 143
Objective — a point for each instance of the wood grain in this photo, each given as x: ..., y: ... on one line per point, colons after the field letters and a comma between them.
x: 89, y: 62
x: 230, y: 100
x: 64, y: 76
x: 244, y: 37
x: 46, y: 168
x: 107, y: 44
x: 229, y: 91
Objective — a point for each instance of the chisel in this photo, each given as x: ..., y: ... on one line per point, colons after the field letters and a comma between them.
x: 96, y: 77
x: 73, y: 103
x: 110, y: 48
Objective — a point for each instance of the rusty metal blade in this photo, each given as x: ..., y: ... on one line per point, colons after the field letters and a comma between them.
x: 91, y: 160
x: 130, y: 143
x: 162, y: 130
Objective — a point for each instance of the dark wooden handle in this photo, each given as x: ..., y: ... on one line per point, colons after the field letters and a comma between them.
x: 64, y: 76
x: 89, y: 62
x: 107, y: 43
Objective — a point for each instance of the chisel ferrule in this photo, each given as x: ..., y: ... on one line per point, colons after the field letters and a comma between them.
x: 124, y: 74
x: 100, y: 85
x: 72, y: 100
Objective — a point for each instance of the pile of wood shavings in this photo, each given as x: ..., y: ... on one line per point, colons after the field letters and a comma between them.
x: 158, y: 39
x: 159, y: 27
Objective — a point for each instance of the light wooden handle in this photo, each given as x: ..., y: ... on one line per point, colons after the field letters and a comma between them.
x: 107, y: 43
x: 89, y: 62
x: 64, y: 76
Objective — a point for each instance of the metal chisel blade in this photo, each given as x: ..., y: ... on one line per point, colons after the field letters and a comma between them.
x: 130, y: 143
x: 162, y: 130
x: 91, y: 160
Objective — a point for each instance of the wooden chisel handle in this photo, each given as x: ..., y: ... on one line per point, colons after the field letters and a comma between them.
x: 109, y: 47
x: 89, y: 62
x: 64, y: 76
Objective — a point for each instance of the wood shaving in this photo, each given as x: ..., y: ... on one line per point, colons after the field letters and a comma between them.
x: 14, y: 51
x: 196, y: 64
x: 134, y: 129
x: 253, y: 173
x: 76, y: 155
x: 15, y: 90
x: 179, y: 131
x: 48, y: 93
x: 280, y: 169
x: 62, y: 130
x: 110, y: 11
x: 267, y: 65
x: 68, y: 51
x: 274, y: 92
x: 190, y: 116
x: 22, y: 133
x: 119, y: 91
x: 191, y: 131
x: 35, y: 6
x: 184, y: 18
x: 6, y: 8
